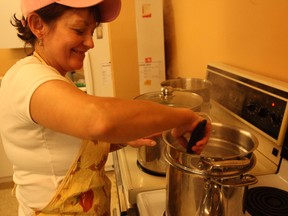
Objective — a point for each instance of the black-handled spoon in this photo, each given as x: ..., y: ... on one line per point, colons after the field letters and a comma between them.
x: 197, y: 134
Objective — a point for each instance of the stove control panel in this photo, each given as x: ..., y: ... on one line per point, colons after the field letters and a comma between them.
x: 261, y: 105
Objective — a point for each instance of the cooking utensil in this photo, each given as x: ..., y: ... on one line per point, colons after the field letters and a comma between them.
x: 197, y: 134
x: 214, y: 182
x: 201, y: 87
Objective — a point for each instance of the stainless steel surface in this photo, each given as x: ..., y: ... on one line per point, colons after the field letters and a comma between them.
x: 223, y: 177
x: 174, y: 99
x: 243, y: 180
x: 192, y: 194
x: 226, y: 143
x: 151, y: 159
x: 212, y: 203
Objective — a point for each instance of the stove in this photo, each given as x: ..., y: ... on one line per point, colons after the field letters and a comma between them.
x: 238, y: 98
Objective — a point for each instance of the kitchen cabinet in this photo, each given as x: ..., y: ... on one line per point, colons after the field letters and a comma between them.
x: 8, y: 36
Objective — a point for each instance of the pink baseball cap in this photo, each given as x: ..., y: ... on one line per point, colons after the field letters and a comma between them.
x: 109, y: 9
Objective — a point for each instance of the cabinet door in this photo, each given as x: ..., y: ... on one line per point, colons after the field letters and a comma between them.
x: 8, y: 36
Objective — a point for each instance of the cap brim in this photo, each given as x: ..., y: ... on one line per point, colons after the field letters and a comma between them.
x: 109, y: 9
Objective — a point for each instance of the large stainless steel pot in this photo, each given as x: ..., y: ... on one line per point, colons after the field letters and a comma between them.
x: 199, y: 86
x: 151, y: 158
x: 213, y: 183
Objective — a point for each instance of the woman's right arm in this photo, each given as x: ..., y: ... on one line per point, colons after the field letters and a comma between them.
x: 60, y: 106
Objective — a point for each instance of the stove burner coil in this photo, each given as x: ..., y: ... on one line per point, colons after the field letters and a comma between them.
x: 267, y: 201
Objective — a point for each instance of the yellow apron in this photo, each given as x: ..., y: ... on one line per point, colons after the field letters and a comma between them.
x: 85, y: 190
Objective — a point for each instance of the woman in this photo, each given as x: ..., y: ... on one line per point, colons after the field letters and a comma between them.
x: 45, y: 117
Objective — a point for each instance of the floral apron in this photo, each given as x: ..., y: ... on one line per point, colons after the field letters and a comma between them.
x: 85, y: 190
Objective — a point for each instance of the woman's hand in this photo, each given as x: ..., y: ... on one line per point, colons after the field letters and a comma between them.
x: 180, y: 135
x: 147, y: 141
x: 141, y: 142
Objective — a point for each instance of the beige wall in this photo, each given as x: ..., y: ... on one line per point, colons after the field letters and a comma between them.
x: 8, y: 57
x: 124, y: 52
x: 250, y: 34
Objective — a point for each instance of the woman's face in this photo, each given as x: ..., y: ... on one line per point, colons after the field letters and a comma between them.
x: 65, y: 43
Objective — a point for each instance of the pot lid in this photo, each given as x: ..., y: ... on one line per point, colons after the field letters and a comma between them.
x: 188, y: 84
x: 174, y: 98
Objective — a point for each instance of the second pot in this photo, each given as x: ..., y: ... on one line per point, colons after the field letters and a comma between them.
x: 201, y: 87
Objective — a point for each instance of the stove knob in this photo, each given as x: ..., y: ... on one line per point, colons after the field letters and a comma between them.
x: 251, y: 107
x: 276, y: 119
x: 263, y: 112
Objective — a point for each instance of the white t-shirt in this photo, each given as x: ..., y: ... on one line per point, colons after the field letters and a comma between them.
x: 40, y: 157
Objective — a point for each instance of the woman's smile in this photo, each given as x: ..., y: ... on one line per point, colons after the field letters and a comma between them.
x: 79, y: 53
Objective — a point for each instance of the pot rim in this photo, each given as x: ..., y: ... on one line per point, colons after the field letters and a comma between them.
x: 211, y: 173
x: 218, y: 166
x: 213, y: 139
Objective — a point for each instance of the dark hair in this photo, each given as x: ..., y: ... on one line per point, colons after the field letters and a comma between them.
x: 49, y: 14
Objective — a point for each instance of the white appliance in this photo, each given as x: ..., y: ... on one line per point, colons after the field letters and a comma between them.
x: 150, y: 44
x: 246, y: 100
x: 97, y: 65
